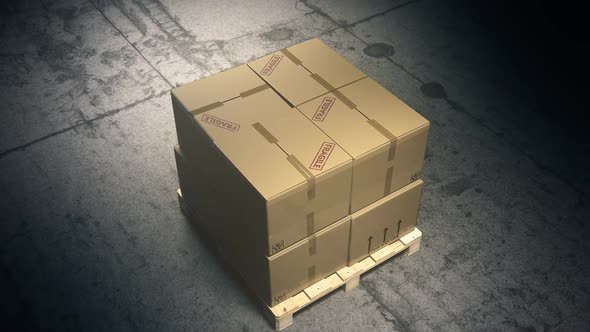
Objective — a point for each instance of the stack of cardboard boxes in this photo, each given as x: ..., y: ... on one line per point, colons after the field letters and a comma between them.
x: 297, y: 165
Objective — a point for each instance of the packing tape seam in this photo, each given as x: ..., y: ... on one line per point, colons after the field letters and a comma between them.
x: 344, y: 99
x: 388, y: 179
x: 388, y: 134
x: 309, y: 177
x: 311, y: 273
x: 217, y: 104
x: 265, y: 133
x: 255, y: 90
x: 322, y: 82
x: 307, y: 174
x: 312, y: 245
x: 291, y: 56
x: 310, y: 223
x: 206, y: 108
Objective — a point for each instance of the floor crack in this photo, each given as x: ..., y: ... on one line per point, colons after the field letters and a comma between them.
x: 131, y: 44
x: 85, y: 123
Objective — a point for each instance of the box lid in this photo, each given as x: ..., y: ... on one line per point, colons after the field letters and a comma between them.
x: 223, y: 86
x: 345, y: 125
x: 320, y: 59
x: 272, y: 145
x: 375, y: 102
x: 305, y: 71
x: 362, y: 116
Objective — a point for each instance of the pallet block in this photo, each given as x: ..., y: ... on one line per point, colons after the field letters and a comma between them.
x: 281, y: 315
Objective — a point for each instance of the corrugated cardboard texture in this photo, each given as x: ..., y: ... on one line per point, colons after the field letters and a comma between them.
x: 305, y: 71
x: 257, y: 146
x: 384, y: 221
x: 386, y: 138
x: 309, y: 261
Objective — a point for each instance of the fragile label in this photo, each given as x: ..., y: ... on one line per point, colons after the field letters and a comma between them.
x: 324, y: 108
x: 322, y: 156
x: 228, y: 125
x: 271, y: 65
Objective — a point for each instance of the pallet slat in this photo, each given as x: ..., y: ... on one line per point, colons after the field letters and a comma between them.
x: 348, y: 276
x: 281, y: 315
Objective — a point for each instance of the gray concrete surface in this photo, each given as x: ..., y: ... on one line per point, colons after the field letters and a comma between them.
x: 92, y: 237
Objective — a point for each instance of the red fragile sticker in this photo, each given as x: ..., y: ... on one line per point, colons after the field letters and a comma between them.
x: 324, y: 108
x: 271, y: 65
x: 322, y: 156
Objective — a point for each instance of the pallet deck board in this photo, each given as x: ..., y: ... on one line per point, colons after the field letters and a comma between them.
x: 281, y: 315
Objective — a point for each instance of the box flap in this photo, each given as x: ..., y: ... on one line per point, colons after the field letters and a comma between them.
x: 273, y: 146
x: 387, y: 111
x: 217, y: 88
x: 320, y: 59
x: 297, y: 136
x: 290, y: 79
x: 298, y: 80
x: 343, y: 124
x: 371, y: 208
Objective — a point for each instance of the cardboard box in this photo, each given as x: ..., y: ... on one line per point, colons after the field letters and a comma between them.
x: 384, y: 221
x: 385, y: 137
x: 304, y: 71
x: 308, y: 261
x: 284, y: 175
x: 274, y: 278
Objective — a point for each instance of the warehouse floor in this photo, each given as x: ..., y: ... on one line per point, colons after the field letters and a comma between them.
x: 92, y: 237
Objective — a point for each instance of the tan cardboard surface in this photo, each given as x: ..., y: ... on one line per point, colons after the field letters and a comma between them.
x: 271, y: 278
x: 309, y: 261
x: 345, y: 125
x: 375, y: 102
x: 384, y: 221
x: 305, y: 71
x: 291, y: 80
x: 386, y: 138
x: 320, y: 59
x: 265, y: 165
x: 296, y: 172
x: 216, y: 88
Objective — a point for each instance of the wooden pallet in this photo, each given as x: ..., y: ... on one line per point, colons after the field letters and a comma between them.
x: 281, y: 315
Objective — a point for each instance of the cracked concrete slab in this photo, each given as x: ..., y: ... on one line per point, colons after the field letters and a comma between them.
x: 64, y: 66
x: 247, y: 48
x: 352, y: 311
x: 175, y: 52
x: 225, y: 20
x: 350, y: 11
x: 457, y: 61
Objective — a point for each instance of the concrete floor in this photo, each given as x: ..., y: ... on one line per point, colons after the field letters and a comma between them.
x: 93, y: 239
